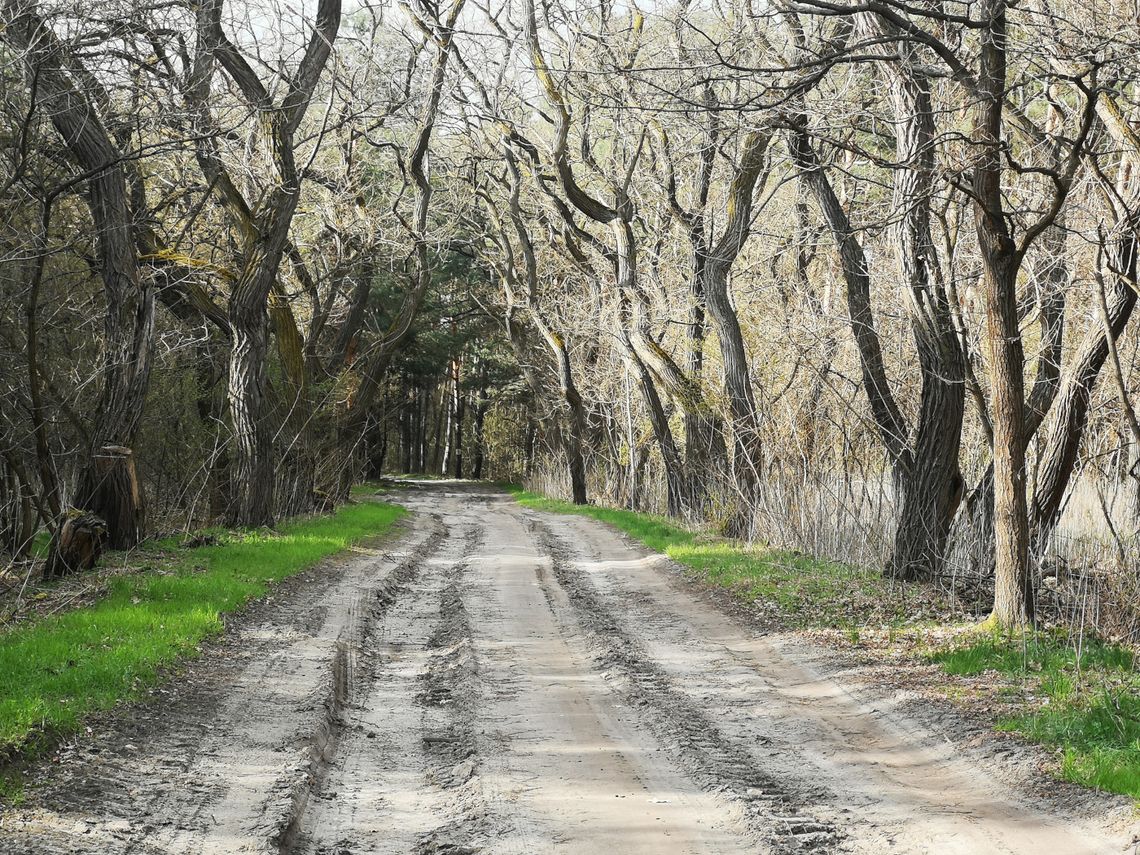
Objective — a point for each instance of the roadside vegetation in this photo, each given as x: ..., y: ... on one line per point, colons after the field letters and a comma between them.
x: 1076, y: 694
x: 1081, y: 697
x: 56, y: 669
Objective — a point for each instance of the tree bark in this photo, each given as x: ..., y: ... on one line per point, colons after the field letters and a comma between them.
x: 1071, y: 409
x: 267, y: 234
x: 1013, y: 596
x: 925, y: 469
x: 931, y: 483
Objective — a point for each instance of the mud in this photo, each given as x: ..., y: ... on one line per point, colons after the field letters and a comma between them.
x: 505, y: 681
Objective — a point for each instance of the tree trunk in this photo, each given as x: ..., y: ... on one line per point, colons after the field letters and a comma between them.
x: 114, y: 487
x: 129, y: 320
x: 670, y: 456
x: 440, y: 436
x: 480, y: 450
x: 460, y: 408
x: 407, y: 434
x: 77, y: 544
x: 1071, y: 409
x: 267, y: 237
x: 252, y: 469
x: 931, y: 483
x: 1013, y: 600
x: 706, y: 454
x: 747, y: 456
x: 576, y: 423
x: 639, y: 344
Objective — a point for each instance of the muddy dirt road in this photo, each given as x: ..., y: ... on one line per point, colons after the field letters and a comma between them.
x: 504, y: 681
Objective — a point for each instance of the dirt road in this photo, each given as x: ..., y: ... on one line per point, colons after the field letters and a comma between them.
x: 505, y: 681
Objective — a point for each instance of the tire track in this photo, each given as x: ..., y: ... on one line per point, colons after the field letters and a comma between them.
x: 385, y: 788
x: 350, y: 672
x: 450, y: 693
x: 233, y: 753
x: 509, y: 683
x: 566, y: 765
x: 777, y: 814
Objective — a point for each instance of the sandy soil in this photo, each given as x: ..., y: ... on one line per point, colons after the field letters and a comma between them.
x: 505, y: 681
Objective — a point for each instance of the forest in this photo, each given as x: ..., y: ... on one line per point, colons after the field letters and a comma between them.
x: 649, y: 427
x: 853, y: 279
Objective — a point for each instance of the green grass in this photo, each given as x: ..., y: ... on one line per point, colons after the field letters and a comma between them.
x: 58, y: 669
x: 1090, y: 701
x: 806, y: 591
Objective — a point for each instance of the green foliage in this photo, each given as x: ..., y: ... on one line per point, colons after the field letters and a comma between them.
x: 58, y: 669
x: 1090, y: 705
x: 806, y: 591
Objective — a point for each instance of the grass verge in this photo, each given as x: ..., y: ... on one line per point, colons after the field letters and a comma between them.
x: 1084, y: 700
x: 55, y: 670
x: 801, y: 591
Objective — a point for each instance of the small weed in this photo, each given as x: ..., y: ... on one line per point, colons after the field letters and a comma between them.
x: 11, y: 788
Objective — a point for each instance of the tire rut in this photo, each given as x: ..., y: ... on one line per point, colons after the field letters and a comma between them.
x: 449, y: 693
x: 352, y: 669
x: 775, y: 813
x: 502, y: 682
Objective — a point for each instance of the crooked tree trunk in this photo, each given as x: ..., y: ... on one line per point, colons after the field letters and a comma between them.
x: 641, y: 349
x: 441, y: 33
x: 1119, y: 299
x: 663, y: 434
x: 128, y: 323
x: 574, y: 438
x: 747, y: 448
x: 1063, y: 441
x: 253, y: 463
x: 744, y: 421
x: 931, y: 483
x: 266, y: 233
x: 706, y: 454
x: 926, y: 469
x: 576, y: 419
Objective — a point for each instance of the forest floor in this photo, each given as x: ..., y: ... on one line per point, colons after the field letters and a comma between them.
x: 506, y: 680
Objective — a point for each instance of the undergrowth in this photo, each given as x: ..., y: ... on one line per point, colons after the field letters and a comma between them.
x: 1088, y: 705
x: 57, y: 669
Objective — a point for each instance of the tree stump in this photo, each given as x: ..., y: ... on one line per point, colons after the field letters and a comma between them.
x: 110, y: 489
x: 77, y: 544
